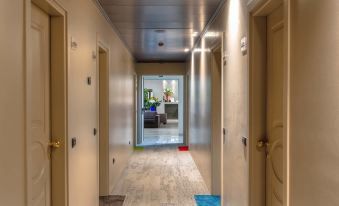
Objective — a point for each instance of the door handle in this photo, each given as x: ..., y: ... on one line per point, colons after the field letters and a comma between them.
x: 55, y: 144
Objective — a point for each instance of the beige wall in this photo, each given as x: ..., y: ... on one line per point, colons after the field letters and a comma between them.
x: 200, y: 112
x: 84, y: 24
x: 315, y: 103
x: 233, y: 21
x: 12, y: 167
x: 160, y: 68
x: 236, y: 114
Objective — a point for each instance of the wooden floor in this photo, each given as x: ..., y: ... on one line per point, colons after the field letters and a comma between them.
x: 160, y: 176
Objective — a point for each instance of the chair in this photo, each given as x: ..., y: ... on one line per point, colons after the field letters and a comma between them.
x: 151, y: 119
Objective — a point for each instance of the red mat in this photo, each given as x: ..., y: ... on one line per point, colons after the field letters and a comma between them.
x: 183, y: 148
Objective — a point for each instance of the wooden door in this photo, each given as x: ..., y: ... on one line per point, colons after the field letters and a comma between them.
x: 39, y: 122
x: 274, y: 161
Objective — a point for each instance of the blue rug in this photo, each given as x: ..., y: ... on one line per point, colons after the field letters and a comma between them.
x: 207, y: 200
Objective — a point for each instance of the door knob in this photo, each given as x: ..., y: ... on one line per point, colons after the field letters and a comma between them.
x: 262, y: 144
x: 55, y: 144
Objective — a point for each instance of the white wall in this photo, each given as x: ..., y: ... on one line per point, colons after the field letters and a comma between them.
x: 85, y: 24
x: 158, y: 87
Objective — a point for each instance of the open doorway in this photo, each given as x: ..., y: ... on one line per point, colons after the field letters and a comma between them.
x: 161, y: 105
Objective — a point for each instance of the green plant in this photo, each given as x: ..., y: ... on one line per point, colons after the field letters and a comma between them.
x: 150, y: 101
x: 154, y: 102
x: 146, y: 98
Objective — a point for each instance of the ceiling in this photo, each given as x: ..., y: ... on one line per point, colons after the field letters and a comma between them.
x: 143, y: 24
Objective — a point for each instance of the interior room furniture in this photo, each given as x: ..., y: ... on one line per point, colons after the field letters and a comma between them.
x: 151, y: 119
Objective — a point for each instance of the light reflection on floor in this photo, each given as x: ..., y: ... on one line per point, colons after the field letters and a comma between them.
x: 166, y: 134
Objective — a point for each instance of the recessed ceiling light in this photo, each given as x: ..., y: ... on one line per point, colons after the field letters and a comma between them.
x: 187, y: 50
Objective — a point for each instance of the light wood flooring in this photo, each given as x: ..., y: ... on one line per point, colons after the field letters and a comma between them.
x: 160, y: 176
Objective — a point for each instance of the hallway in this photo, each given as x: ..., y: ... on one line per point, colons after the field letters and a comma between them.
x: 256, y: 83
x: 160, y: 176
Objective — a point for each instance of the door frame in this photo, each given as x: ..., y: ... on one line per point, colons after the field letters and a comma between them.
x: 259, y: 9
x: 217, y: 116
x: 139, y: 138
x: 140, y: 104
x: 58, y: 97
x: 103, y: 117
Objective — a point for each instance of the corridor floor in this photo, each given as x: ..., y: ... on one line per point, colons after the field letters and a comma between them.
x: 160, y: 176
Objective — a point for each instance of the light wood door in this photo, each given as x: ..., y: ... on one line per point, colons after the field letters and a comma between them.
x: 274, y: 164
x: 39, y: 122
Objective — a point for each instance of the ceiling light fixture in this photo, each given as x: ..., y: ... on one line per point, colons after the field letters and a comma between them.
x: 211, y: 34
x: 187, y: 50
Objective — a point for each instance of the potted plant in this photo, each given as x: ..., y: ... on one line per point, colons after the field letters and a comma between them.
x: 153, y: 103
x: 168, y: 92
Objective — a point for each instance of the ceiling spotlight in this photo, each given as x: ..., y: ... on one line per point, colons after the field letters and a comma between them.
x: 187, y: 50
x: 161, y: 43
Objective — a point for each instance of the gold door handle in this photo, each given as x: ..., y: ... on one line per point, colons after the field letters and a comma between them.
x: 55, y: 144
x: 262, y: 144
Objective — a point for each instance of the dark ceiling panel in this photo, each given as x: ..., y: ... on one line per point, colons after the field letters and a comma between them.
x: 159, y: 2
x: 144, y: 23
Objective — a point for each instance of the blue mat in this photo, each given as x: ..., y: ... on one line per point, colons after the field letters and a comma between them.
x: 207, y: 200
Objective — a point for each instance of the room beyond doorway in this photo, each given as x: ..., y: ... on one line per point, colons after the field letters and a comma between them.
x: 161, y: 105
